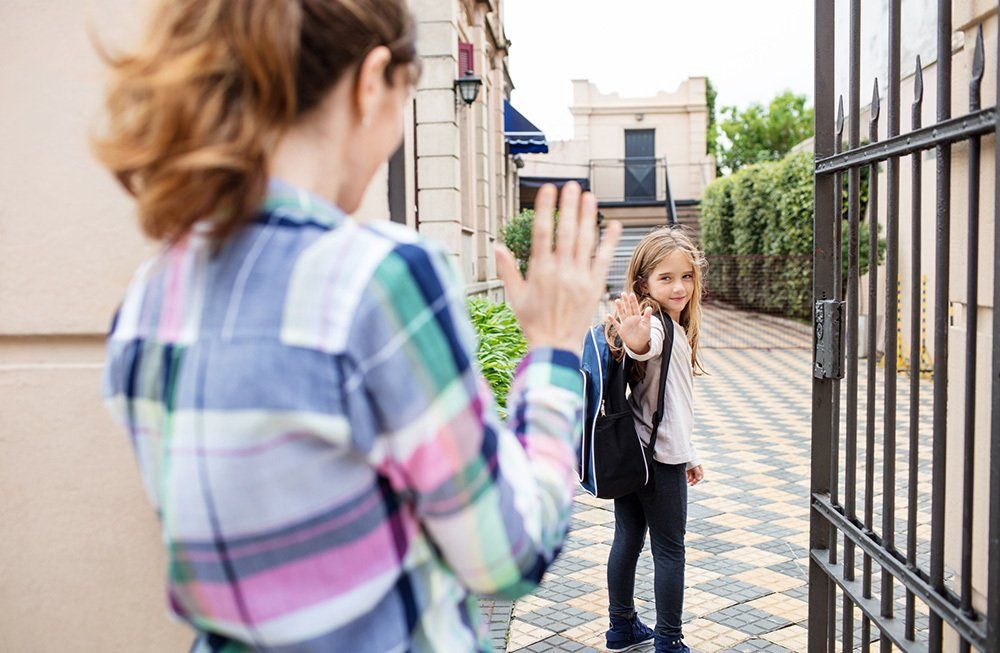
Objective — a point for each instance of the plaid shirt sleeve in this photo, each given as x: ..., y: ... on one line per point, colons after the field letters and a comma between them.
x: 495, y: 499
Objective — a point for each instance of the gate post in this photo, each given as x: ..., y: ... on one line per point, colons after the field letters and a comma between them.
x: 824, y: 201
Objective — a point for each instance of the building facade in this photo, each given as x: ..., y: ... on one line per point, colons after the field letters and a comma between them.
x: 453, y: 179
x: 645, y: 159
x: 638, y: 155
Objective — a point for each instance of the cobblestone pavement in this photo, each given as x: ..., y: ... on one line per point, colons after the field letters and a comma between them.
x: 747, y: 537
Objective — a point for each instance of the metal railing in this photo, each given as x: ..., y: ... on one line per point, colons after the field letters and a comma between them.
x: 838, y: 529
x: 635, y: 181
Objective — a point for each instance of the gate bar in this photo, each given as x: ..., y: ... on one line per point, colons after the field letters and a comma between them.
x: 941, y: 285
x: 891, y: 318
x: 853, y: 208
x: 971, y: 304
x: 993, y: 546
x: 866, y: 589
x: 892, y: 631
x: 939, y: 603
x: 838, y: 213
x: 915, y: 358
x: 947, y: 131
x: 838, y: 221
x: 820, y: 532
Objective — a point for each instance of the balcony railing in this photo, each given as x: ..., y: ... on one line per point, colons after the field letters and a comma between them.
x: 634, y: 180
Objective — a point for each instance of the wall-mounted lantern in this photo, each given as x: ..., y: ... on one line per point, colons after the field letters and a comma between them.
x: 468, y: 87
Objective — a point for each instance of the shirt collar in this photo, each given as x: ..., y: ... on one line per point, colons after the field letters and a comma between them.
x: 299, y: 205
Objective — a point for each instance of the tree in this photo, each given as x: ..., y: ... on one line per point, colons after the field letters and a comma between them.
x: 712, y: 135
x: 759, y: 134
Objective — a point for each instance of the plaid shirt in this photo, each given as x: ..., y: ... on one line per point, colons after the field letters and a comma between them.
x: 324, y: 457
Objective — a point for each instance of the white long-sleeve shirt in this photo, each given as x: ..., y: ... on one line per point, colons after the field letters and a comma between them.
x: 673, y: 444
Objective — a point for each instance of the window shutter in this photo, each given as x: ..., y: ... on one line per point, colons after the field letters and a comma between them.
x: 466, y: 61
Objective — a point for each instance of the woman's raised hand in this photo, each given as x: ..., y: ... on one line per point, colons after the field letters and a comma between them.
x: 555, y: 303
x: 632, y: 323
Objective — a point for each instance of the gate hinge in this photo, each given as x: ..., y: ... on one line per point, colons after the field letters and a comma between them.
x: 828, y: 323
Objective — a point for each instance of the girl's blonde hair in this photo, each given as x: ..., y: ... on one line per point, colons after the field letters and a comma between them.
x: 193, y: 113
x: 656, y: 246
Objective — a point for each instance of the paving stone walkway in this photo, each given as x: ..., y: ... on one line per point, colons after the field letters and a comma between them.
x: 747, y: 538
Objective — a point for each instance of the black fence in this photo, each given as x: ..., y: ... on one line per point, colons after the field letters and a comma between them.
x: 902, y: 592
x: 757, y: 301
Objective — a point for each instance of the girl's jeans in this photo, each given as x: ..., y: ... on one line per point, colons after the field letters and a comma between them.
x: 660, y: 506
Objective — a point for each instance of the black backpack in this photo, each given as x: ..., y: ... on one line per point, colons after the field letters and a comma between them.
x: 614, y: 462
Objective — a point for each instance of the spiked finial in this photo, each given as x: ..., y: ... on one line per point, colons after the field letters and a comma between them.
x: 918, y: 83
x: 840, y: 115
x: 978, y: 59
x: 875, y: 102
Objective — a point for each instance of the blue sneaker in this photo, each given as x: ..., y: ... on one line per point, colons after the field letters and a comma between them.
x: 627, y: 634
x: 673, y: 644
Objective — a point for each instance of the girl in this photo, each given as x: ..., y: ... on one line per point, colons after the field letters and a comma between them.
x: 300, y: 389
x: 665, y: 274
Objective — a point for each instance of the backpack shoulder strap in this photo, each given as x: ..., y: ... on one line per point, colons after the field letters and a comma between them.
x: 665, y: 356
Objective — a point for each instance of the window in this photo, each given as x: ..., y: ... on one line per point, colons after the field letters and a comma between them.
x: 466, y: 62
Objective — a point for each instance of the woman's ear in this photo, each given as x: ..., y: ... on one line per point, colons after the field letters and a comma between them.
x: 371, y: 86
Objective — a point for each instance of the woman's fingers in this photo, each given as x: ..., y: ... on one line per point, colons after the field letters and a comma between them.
x: 605, y: 252
x: 510, y: 274
x: 569, y: 212
x: 588, y: 229
x: 541, y: 230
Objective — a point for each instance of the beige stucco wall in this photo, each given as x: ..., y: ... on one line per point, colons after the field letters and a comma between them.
x: 81, y: 566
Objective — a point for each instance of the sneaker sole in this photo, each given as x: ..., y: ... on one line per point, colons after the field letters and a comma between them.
x: 630, y: 647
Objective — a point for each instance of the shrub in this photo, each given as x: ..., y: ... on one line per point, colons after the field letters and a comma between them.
x: 717, y: 237
x: 754, y: 211
x: 516, y: 235
x: 757, y: 232
x: 501, y: 345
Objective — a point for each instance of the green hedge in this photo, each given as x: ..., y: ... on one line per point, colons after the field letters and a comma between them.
x: 757, y: 228
x: 501, y: 345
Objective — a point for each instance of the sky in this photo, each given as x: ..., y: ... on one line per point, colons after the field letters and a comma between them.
x: 751, y: 50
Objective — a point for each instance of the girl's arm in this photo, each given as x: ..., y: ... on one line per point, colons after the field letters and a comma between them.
x: 495, y: 499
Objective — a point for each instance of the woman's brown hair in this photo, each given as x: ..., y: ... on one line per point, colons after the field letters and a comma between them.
x: 194, y: 111
x: 653, y: 248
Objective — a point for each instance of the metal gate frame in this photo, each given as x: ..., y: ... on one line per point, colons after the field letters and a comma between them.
x: 833, y: 520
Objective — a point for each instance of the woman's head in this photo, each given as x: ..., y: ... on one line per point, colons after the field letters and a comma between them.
x: 197, y: 113
x: 666, y: 272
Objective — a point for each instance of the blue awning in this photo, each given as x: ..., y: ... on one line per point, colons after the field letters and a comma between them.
x: 521, y: 135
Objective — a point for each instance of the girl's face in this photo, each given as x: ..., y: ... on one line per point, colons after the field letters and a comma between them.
x: 671, y: 282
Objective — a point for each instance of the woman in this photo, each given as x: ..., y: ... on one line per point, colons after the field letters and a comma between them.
x: 326, y: 462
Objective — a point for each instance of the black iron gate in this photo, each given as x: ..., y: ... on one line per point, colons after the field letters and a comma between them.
x: 938, y: 608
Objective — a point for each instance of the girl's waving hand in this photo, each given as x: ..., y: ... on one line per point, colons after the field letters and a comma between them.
x: 632, y: 323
